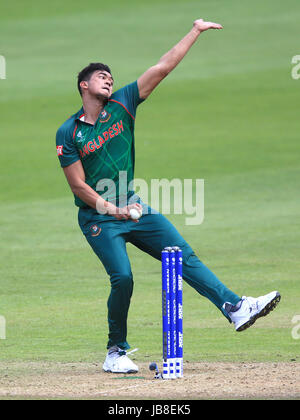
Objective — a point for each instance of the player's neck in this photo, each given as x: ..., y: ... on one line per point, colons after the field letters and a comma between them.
x: 92, y: 107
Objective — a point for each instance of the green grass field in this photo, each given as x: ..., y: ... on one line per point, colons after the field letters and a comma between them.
x: 227, y: 114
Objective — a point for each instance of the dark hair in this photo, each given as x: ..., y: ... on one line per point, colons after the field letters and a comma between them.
x: 85, y: 74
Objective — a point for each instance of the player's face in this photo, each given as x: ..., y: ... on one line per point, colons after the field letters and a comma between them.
x: 101, y: 84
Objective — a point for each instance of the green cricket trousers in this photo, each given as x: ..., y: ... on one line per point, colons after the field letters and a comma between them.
x: 108, y: 237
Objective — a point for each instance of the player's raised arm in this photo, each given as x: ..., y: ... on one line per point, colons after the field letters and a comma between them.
x: 155, y: 74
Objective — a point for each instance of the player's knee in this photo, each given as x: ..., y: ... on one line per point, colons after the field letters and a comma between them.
x: 122, y: 281
x: 188, y: 254
x: 190, y: 259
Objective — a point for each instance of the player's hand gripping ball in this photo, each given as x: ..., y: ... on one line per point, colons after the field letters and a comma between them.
x: 135, y: 214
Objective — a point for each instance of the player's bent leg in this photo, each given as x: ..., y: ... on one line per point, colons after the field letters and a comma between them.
x: 154, y: 232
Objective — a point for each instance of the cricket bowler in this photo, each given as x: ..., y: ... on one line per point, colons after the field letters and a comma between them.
x: 95, y: 146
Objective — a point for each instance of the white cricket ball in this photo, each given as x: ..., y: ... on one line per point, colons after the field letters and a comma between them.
x: 135, y: 213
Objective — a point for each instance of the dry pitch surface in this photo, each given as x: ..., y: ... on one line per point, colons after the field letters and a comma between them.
x: 201, y: 381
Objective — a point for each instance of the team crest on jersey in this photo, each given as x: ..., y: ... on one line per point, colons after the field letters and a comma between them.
x: 96, y: 230
x: 104, y: 116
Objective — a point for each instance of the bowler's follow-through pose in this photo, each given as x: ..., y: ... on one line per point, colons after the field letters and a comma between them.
x: 97, y: 144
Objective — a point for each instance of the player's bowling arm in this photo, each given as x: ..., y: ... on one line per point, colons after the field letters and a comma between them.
x: 155, y: 74
x: 76, y: 178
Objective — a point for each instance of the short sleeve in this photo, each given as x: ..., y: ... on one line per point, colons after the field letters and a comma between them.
x: 129, y: 97
x: 65, y: 147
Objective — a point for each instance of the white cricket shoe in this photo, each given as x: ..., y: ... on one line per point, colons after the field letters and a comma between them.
x: 253, y: 308
x: 117, y: 361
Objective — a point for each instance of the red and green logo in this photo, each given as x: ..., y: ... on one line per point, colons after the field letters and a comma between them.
x: 95, y: 230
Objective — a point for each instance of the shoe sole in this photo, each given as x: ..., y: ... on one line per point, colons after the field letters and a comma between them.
x: 128, y: 371
x: 265, y: 311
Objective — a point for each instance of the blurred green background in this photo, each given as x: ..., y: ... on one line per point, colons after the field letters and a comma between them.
x: 228, y: 114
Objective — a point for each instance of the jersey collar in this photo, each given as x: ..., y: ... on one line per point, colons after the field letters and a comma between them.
x: 79, y: 116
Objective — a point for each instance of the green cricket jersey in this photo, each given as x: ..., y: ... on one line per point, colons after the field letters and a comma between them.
x: 105, y: 149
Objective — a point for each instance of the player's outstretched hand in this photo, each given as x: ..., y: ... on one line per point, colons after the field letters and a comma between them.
x: 202, y: 26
